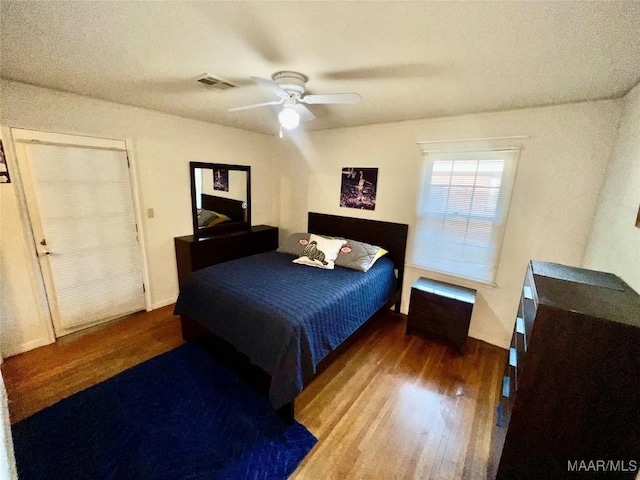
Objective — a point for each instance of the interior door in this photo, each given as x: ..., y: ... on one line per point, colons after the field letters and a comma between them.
x: 82, y: 214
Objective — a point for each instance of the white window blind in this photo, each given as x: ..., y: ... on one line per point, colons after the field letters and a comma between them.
x: 462, y: 209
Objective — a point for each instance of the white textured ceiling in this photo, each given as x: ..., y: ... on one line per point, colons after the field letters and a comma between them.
x: 408, y: 60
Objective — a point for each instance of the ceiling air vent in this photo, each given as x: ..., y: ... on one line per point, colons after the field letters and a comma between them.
x: 214, y: 82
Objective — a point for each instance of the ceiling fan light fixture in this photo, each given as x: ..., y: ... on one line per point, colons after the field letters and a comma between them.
x: 289, y: 88
x: 289, y: 118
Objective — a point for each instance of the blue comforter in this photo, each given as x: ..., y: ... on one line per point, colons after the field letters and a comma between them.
x: 285, y: 317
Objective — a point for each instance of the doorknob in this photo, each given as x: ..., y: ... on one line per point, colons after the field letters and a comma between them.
x: 46, y: 253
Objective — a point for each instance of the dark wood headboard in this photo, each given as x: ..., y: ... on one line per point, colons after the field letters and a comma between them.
x: 231, y: 208
x: 388, y: 235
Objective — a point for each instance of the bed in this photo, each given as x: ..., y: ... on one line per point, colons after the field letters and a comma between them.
x: 278, y: 324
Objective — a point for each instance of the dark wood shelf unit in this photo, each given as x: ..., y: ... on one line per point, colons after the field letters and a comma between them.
x: 571, y: 386
x: 442, y: 310
x: 194, y: 253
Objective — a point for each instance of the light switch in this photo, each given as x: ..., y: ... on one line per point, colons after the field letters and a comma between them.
x: 150, y: 213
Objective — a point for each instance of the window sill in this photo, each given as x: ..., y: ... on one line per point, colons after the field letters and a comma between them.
x: 453, y: 279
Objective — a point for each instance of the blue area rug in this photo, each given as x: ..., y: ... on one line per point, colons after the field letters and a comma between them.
x: 177, y: 416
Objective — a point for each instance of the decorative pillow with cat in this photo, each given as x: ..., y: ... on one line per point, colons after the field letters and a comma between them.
x: 353, y: 254
x: 320, y: 252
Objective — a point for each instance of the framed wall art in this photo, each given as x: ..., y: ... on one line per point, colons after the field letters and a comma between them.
x: 358, y: 188
x: 4, y: 171
x: 221, y: 179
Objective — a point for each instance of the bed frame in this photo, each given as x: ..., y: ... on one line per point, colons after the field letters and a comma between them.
x: 234, y: 209
x: 390, y: 236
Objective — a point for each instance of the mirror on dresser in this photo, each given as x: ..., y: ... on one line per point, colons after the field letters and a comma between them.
x: 220, y: 198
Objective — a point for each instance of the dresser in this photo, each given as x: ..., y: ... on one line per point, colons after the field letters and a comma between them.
x: 195, y: 253
x: 569, y: 401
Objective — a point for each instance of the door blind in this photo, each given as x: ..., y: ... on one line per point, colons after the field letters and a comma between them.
x: 86, y: 211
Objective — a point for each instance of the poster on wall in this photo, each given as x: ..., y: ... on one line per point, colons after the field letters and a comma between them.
x: 358, y: 189
x: 221, y: 179
x: 4, y: 171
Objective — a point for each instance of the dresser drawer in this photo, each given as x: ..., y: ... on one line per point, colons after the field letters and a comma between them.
x: 441, y: 309
x: 429, y: 308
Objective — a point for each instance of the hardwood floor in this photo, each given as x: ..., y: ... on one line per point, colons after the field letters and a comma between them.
x: 41, y: 377
x: 391, y: 407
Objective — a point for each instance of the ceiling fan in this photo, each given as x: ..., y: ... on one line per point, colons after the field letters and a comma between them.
x: 289, y: 87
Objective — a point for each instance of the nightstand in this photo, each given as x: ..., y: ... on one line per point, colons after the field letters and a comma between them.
x: 442, y: 310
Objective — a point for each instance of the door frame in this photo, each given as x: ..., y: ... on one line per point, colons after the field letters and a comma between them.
x: 11, y: 135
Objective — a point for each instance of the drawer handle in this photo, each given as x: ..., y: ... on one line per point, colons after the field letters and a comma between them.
x: 520, y: 325
x: 501, y: 421
x: 506, y: 386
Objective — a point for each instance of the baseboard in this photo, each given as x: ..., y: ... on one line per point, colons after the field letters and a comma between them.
x: 164, y: 303
x: 490, y: 339
x: 25, y: 347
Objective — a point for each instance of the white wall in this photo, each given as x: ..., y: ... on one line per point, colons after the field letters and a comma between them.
x: 24, y: 317
x: 614, y: 243
x: 8, y: 470
x: 552, y: 209
x: 553, y: 203
x: 162, y: 145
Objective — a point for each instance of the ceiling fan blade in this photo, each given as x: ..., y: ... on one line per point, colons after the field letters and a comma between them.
x: 271, y: 85
x: 332, y: 98
x: 247, y: 107
x: 305, y: 113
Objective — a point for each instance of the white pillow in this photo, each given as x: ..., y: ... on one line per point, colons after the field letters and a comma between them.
x: 320, y: 252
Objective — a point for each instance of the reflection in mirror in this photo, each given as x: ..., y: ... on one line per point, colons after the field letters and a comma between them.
x: 213, y: 188
x: 221, y: 197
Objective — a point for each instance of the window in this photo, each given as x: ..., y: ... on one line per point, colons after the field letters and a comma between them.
x: 462, y: 210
